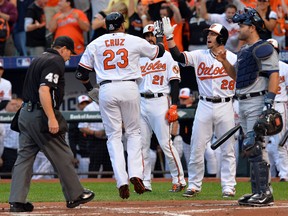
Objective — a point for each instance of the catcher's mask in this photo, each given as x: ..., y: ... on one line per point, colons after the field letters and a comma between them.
x: 268, y: 123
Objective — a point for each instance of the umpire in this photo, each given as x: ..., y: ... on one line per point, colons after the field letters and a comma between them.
x: 39, y: 122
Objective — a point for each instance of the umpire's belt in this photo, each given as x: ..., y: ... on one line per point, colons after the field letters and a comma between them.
x: 29, y: 106
x: 156, y: 95
x: 250, y: 95
x: 215, y: 99
x: 110, y: 81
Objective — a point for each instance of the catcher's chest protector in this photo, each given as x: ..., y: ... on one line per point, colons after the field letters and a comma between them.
x: 248, y: 68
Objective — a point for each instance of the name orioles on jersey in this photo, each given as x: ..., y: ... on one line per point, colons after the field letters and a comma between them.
x: 158, y: 73
x: 210, y: 72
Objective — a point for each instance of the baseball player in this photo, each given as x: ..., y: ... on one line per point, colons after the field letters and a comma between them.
x: 257, y: 76
x: 5, y: 89
x: 115, y: 59
x: 161, y: 78
x: 215, y: 110
x: 279, y: 155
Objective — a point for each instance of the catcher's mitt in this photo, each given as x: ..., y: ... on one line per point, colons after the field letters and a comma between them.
x: 268, y: 123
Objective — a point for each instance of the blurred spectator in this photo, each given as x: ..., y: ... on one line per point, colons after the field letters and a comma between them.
x: 19, y: 34
x: 138, y: 18
x: 171, y: 10
x: 249, y: 3
x: 279, y: 31
x: 98, y: 152
x: 216, y: 6
x: 98, y: 23
x: 78, y: 141
x: 197, y: 24
x: 5, y: 89
x: 98, y: 5
x: 269, y: 17
x: 35, y: 27
x: 72, y: 22
x: 10, y: 140
x: 50, y: 10
x: 8, y: 11
x: 233, y: 43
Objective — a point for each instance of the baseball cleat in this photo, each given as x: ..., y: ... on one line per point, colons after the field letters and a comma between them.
x: 177, y: 188
x: 21, y: 207
x: 85, y: 197
x: 124, y: 191
x: 230, y: 193
x: 261, y: 199
x: 138, y: 185
x: 191, y: 193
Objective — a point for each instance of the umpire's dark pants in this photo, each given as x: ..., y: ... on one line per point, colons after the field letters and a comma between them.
x: 31, y: 140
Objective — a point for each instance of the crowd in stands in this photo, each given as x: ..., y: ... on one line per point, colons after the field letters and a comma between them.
x: 31, y: 26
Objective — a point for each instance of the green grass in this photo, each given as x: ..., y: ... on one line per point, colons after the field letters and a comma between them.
x: 51, y: 192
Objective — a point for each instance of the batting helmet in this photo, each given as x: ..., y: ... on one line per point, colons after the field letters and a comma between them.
x: 114, y: 20
x: 148, y: 28
x: 249, y: 17
x: 221, y: 31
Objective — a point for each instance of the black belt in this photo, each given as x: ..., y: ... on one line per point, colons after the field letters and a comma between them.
x: 250, y: 95
x: 215, y: 99
x: 110, y: 81
x: 156, y: 95
x: 29, y: 106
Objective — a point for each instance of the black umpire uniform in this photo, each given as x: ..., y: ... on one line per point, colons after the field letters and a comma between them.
x: 37, y: 133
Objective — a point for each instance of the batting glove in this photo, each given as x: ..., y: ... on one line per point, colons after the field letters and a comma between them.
x: 94, y: 94
x: 172, y: 114
x: 168, y: 29
x: 158, y: 29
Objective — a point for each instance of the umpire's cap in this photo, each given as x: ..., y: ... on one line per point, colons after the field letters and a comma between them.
x: 64, y: 41
x: 114, y: 20
x: 249, y: 17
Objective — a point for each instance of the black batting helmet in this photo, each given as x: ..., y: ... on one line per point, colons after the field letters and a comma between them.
x: 114, y: 20
x: 221, y: 31
x: 249, y: 17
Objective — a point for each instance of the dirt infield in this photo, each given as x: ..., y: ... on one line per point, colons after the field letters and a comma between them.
x: 169, y: 208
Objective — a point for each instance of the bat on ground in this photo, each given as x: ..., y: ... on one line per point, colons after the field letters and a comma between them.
x: 284, y: 139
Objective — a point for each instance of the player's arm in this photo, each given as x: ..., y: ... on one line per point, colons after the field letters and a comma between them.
x: 174, y: 93
x: 203, y: 10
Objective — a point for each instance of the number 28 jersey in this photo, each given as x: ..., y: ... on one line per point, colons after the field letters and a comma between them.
x: 212, y: 79
x: 115, y: 56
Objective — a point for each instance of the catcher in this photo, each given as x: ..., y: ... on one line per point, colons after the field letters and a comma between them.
x: 257, y: 77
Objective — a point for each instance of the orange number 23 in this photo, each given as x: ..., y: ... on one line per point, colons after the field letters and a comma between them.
x: 108, y: 65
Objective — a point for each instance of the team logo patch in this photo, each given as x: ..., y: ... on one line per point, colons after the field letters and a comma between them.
x: 176, y: 69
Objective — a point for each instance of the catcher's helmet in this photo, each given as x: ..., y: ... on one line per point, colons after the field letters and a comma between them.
x: 221, y: 31
x: 249, y: 17
x: 114, y: 20
x: 268, y: 123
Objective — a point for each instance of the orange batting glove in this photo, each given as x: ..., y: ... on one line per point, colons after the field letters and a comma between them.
x: 172, y: 114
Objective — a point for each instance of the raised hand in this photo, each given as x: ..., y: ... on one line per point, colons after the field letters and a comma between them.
x: 168, y: 29
x: 158, y: 29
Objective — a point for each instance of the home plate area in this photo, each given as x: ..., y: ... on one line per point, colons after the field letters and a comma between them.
x: 170, y: 208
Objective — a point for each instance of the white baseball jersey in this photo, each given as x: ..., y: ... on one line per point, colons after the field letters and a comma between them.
x: 210, y: 72
x: 283, y: 74
x: 115, y: 56
x: 5, y: 89
x: 95, y: 126
x: 158, y: 73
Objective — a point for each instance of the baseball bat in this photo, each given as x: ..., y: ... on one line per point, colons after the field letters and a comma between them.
x: 284, y: 139
x: 225, y: 137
